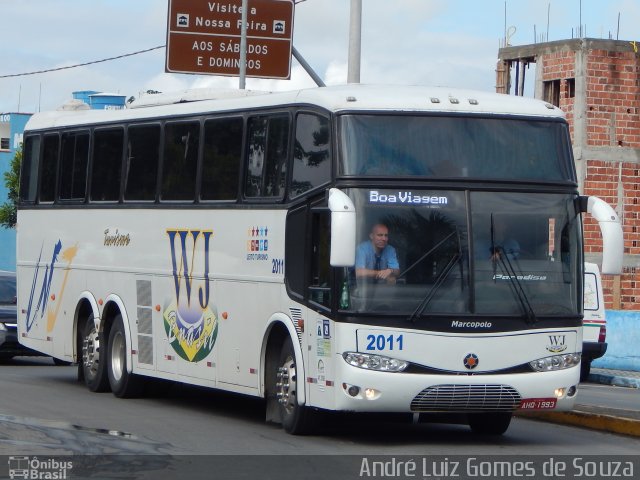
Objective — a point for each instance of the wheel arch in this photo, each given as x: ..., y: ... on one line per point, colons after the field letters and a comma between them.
x: 86, y: 306
x: 278, y: 328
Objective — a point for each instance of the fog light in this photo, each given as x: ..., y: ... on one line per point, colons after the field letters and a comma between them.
x: 353, y: 391
x: 559, y: 392
x: 371, y: 394
x: 572, y: 391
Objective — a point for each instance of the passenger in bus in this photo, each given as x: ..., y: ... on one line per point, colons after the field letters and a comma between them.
x: 376, y: 260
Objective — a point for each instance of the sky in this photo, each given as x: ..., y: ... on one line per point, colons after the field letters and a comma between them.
x: 450, y: 43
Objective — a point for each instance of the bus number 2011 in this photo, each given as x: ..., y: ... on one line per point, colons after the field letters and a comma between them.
x: 277, y: 265
x: 381, y: 342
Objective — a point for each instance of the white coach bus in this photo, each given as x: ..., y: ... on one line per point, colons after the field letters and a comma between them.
x: 213, y: 241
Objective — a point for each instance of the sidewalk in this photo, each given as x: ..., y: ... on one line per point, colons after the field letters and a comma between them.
x: 601, y: 417
x: 619, y: 378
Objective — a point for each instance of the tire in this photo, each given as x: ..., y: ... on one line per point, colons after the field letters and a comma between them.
x: 494, y: 423
x: 585, y: 369
x: 296, y: 419
x: 93, y: 368
x: 123, y: 384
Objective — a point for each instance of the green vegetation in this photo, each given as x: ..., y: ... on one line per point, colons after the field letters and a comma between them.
x: 8, y: 210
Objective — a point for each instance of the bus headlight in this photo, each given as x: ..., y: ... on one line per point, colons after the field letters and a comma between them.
x: 556, y: 362
x: 374, y: 362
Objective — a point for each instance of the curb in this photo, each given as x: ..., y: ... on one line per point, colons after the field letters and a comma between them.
x: 615, y: 380
x: 591, y: 420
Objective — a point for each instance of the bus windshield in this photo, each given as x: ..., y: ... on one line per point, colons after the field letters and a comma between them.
x: 455, y: 147
x: 464, y: 252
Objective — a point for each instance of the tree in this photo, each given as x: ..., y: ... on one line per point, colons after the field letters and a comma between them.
x: 8, y: 210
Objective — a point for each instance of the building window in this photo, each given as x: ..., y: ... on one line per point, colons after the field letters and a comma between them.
x: 4, y: 144
x: 552, y: 92
x: 571, y: 87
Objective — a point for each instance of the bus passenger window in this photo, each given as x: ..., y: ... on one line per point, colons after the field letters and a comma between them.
x: 221, y: 159
x: 320, y: 282
x: 143, y: 152
x: 73, y: 166
x: 49, y: 168
x: 29, y: 174
x: 311, y: 154
x: 181, y: 142
x: 106, y: 167
x: 267, y: 156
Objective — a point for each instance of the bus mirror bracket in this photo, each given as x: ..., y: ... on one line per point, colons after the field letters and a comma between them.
x: 611, y: 230
x: 343, y: 229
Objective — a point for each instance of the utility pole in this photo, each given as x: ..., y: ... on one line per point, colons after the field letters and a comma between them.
x: 355, y: 41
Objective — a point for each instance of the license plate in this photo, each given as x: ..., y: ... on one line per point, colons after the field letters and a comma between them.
x: 537, y: 403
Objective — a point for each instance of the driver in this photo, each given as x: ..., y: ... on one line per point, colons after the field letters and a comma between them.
x: 376, y: 260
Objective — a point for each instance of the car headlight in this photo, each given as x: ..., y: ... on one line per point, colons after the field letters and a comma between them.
x: 556, y: 362
x: 374, y: 362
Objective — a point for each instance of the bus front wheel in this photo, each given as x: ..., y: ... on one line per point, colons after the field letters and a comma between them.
x: 295, y: 418
x: 123, y: 384
x: 94, y: 371
x: 494, y: 423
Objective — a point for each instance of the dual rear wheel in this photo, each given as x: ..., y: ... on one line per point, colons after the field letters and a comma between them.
x: 104, y: 361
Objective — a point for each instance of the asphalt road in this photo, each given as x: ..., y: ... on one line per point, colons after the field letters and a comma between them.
x: 44, y: 410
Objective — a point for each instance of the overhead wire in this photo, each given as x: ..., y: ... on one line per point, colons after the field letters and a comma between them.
x: 83, y: 64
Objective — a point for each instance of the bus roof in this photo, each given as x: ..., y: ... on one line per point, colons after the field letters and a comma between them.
x: 354, y: 97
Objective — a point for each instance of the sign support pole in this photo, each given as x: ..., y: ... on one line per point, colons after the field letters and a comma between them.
x: 316, y: 78
x: 355, y: 41
x: 243, y: 46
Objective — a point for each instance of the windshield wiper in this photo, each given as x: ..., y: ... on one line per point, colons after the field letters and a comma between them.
x: 516, y: 285
x: 432, y: 291
x: 441, y: 278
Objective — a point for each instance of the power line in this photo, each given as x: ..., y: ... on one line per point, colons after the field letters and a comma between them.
x: 83, y: 64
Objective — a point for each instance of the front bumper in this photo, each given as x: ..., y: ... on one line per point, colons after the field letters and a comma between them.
x: 423, y: 393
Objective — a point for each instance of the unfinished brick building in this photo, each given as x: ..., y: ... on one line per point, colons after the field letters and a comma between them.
x: 597, y: 83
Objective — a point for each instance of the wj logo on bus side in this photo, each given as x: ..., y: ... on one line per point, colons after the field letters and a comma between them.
x: 190, y: 321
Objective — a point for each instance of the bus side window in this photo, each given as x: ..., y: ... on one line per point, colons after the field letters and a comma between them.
x: 180, y: 162
x: 143, y: 152
x: 295, y: 251
x: 73, y: 166
x: 29, y: 173
x: 106, y: 164
x: 221, y: 158
x: 267, y: 156
x: 49, y: 168
x: 320, y: 281
x: 311, y: 154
